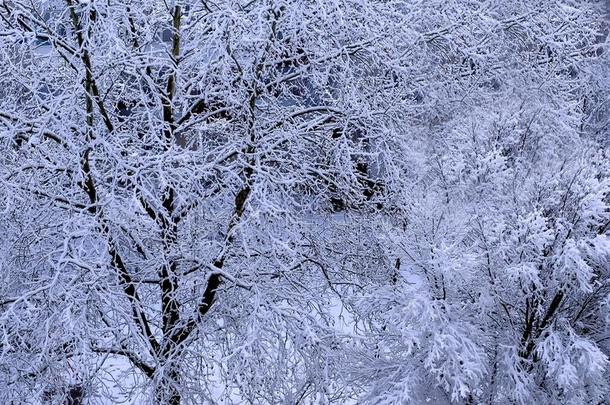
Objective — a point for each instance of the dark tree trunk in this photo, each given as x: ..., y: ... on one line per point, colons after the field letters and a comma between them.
x: 167, y: 392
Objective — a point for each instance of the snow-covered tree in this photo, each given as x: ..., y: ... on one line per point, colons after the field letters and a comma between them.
x: 284, y: 201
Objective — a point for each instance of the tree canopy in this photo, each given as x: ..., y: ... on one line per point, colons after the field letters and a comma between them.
x: 278, y: 201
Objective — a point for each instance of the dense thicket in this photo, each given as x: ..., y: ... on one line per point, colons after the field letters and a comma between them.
x: 325, y: 201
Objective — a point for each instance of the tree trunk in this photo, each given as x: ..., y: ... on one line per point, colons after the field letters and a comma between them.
x: 167, y: 391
